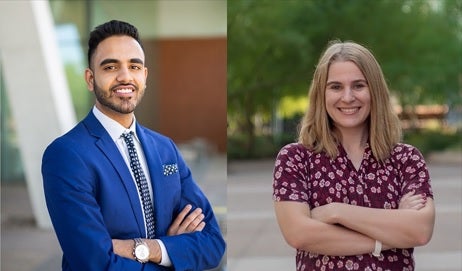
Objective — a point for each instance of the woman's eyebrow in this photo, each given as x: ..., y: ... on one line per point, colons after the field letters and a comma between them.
x: 354, y: 81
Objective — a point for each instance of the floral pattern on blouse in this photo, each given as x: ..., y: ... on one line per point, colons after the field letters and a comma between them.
x: 315, y: 179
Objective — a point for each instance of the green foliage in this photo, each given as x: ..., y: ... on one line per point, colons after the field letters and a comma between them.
x: 79, y: 93
x: 428, y: 141
x: 238, y: 149
x: 273, y: 47
x: 265, y: 146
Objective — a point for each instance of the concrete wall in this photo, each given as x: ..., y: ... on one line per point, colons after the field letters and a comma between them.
x: 36, y: 86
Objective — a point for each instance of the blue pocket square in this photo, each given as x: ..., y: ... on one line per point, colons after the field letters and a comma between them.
x: 170, y: 169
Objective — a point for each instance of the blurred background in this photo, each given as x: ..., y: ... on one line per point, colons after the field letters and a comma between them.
x: 263, y: 54
x: 43, y: 94
x: 273, y: 47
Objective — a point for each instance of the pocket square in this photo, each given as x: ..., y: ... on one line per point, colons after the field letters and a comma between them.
x: 170, y: 169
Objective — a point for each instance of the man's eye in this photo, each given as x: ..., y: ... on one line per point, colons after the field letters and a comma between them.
x: 135, y: 67
x: 109, y: 68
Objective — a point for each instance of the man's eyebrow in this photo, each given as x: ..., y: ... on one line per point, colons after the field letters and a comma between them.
x: 108, y: 61
x: 136, y: 60
x: 113, y: 60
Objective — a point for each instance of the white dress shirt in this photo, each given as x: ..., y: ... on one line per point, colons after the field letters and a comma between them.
x: 116, y: 130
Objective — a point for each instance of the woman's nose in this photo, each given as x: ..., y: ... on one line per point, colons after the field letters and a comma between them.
x: 348, y: 95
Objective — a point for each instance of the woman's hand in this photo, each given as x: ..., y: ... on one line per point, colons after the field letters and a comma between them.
x: 326, y: 213
x: 412, y: 201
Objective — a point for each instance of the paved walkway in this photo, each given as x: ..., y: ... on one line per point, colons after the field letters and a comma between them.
x: 255, y: 242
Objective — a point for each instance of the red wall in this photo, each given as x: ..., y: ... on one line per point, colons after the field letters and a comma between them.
x: 186, y: 94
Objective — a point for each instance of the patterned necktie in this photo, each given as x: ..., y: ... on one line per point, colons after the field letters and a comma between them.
x: 141, y: 183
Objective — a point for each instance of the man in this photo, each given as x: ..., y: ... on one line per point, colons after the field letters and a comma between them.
x: 120, y: 196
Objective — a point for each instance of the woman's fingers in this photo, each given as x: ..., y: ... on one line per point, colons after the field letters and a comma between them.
x: 412, y: 201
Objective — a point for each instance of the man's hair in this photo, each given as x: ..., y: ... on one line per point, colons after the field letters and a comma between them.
x: 316, y: 128
x: 109, y: 29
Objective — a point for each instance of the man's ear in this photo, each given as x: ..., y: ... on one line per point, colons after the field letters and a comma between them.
x: 89, y: 79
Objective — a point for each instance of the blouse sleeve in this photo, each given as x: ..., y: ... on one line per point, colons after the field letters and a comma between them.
x: 414, y: 172
x: 290, y: 175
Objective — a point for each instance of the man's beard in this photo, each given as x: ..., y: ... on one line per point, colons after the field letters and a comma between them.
x: 122, y: 105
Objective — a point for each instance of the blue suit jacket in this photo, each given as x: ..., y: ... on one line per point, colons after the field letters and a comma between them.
x: 91, y: 198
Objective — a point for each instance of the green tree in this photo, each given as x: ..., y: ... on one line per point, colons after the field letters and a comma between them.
x: 267, y: 58
x: 274, y: 45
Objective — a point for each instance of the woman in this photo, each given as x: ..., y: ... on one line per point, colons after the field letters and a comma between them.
x: 348, y: 195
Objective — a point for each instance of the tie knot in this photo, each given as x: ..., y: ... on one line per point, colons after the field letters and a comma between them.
x: 128, y: 137
x: 127, y: 134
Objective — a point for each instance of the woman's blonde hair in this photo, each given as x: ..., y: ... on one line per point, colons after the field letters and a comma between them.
x: 316, y: 127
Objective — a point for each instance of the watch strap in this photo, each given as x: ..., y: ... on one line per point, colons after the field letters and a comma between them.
x: 377, y: 248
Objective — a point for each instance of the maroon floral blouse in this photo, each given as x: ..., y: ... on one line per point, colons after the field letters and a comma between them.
x: 313, y: 178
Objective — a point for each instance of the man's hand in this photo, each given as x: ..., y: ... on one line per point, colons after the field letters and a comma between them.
x: 411, y: 201
x: 185, y: 223
x: 124, y: 248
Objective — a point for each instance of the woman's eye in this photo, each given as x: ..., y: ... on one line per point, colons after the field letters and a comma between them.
x: 335, y: 87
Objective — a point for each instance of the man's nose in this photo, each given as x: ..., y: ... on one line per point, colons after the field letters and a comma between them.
x: 124, y: 75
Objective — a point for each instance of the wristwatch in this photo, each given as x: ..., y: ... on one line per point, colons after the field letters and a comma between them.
x: 141, y: 251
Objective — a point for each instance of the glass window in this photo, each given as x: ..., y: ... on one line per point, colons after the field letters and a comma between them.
x: 71, y: 25
x: 10, y: 161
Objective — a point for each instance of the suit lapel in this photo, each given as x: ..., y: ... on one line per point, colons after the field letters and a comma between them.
x: 109, y: 149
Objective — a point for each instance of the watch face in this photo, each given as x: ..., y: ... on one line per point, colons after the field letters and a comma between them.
x: 142, y: 252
